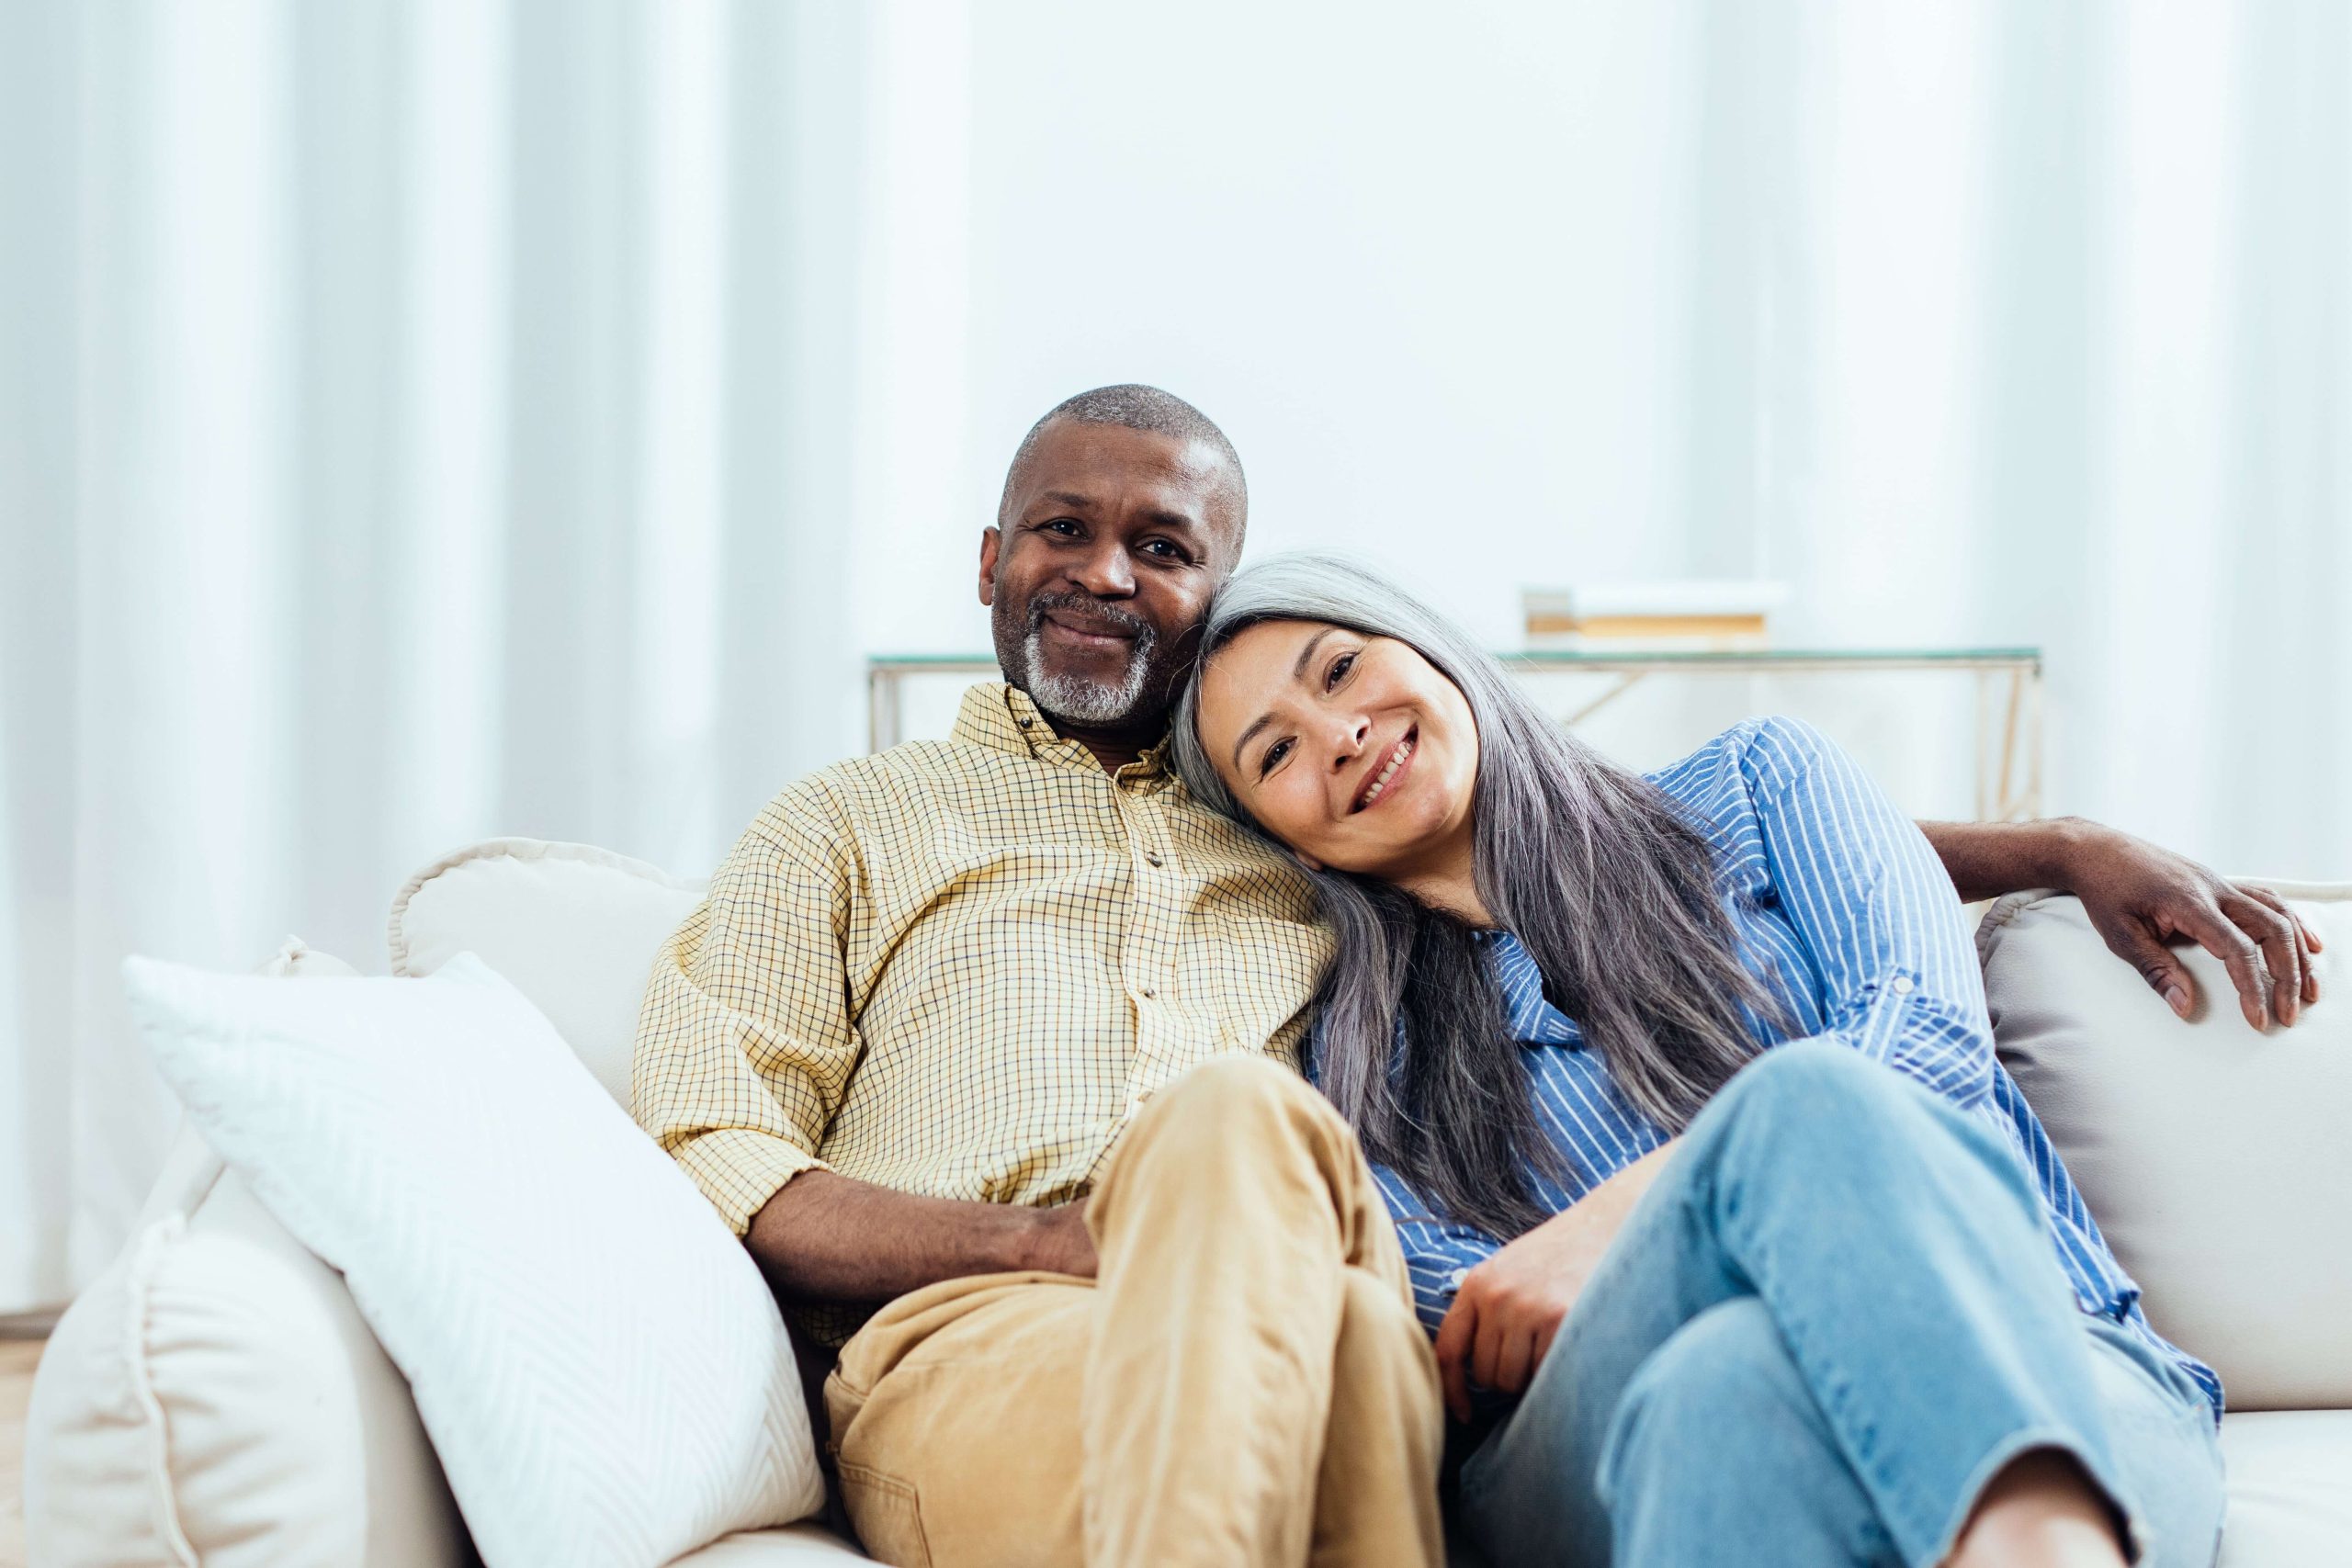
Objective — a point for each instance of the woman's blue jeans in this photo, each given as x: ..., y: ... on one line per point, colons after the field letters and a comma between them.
x: 1834, y: 1317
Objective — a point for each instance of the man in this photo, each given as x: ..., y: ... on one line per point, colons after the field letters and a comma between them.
x: 999, y: 1031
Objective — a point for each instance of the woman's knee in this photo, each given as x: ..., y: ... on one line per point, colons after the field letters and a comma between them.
x: 1807, y: 1080
x: 1821, y: 1105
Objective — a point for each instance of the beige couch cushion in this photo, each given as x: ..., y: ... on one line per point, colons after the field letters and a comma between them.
x: 795, y: 1546
x: 215, y: 1396
x: 2215, y: 1158
x: 2290, y: 1489
x: 573, y: 926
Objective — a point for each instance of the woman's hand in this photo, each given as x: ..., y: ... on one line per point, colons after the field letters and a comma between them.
x: 1510, y: 1307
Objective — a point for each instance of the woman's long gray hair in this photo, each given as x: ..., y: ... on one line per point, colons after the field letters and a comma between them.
x: 1609, y: 890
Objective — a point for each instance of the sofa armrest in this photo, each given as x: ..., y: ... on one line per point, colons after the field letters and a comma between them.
x: 215, y: 1398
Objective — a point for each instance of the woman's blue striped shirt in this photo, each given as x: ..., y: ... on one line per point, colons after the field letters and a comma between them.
x: 1845, y: 911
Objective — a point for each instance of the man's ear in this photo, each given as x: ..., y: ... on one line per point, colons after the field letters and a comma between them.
x: 991, y: 538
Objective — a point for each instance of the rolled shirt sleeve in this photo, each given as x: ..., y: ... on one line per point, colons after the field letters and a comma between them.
x: 745, y: 1042
x: 1865, y: 892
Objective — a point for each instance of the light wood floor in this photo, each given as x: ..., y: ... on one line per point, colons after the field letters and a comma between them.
x: 17, y: 1359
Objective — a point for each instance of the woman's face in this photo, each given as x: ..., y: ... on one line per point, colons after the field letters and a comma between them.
x: 1354, y: 750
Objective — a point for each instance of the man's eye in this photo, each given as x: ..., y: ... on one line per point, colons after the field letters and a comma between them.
x: 1165, y: 550
x: 1061, y: 525
x: 1275, y: 754
x: 1339, y: 668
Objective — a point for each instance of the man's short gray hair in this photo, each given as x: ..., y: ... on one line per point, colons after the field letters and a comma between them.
x: 1134, y: 406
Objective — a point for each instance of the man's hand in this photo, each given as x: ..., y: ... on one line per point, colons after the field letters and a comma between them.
x: 2141, y: 897
x: 1061, y: 1243
x: 1510, y: 1307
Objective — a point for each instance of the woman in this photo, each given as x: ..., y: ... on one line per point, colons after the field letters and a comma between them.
x: 1737, y: 1242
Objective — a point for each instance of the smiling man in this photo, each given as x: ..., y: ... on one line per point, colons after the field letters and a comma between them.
x: 1098, y: 637
x: 987, y: 1048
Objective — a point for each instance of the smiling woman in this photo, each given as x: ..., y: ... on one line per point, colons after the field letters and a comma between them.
x: 1670, y: 1083
x: 1314, y: 673
x: 1361, y: 755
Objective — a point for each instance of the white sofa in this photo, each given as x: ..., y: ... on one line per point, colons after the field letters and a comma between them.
x: 215, y: 1396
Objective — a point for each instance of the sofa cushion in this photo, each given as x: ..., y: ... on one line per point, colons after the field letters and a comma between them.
x: 2214, y: 1158
x: 2290, y: 1489
x: 796, y: 1546
x: 214, y: 1397
x: 573, y: 926
x: 602, y: 1369
x: 214, y: 1394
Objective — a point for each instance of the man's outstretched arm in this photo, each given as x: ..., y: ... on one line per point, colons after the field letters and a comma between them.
x: 2142, y: 897
x: 826, y: 1237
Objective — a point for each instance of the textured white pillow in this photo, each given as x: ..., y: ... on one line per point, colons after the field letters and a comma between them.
x: 598, y: 1362
x: 2214, y: 1158
x: 213, y: 1397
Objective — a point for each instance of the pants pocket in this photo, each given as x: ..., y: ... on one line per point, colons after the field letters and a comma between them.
x: 886, y: 1515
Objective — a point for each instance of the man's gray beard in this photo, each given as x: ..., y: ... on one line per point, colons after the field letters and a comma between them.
x: 1078, y: 699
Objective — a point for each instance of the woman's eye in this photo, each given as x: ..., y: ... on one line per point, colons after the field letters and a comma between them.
x: 1275, y: 754
x: 1339, y: 668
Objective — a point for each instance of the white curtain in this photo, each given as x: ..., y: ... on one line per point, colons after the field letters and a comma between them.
x: 422, y: 420
x: 417, y: 422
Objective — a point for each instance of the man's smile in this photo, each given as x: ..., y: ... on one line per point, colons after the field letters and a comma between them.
x: 1080, y: 632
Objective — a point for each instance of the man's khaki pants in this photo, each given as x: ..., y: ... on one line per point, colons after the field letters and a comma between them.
x: 1243, y: 1383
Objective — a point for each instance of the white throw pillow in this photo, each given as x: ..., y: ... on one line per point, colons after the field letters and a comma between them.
x: 2214, y: 1158
x: 601, y: 1370
x: 573, y: 926
x: 213, y: 1397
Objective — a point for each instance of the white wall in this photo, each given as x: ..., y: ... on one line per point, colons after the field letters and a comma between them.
x: 1369, y: 246
x: 1971, y: 321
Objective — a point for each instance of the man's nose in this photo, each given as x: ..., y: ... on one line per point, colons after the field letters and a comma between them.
x: 1106, y: 573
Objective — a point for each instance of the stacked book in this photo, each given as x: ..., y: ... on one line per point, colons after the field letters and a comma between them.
x: 1628, y: 617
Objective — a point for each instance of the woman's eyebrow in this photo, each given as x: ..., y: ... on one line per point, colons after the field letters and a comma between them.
x: 1264, y: 719
x: 1297, y: 673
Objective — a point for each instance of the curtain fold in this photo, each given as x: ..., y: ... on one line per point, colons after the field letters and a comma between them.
x: 410, y: 414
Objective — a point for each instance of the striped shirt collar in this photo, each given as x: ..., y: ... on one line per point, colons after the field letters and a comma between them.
x: 1003, y: 717
x: 1532, y: 1021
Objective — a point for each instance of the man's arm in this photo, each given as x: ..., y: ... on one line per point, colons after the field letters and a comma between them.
x: 2141, y: 897
x: 826, y: 1238
x: 746, y: 1048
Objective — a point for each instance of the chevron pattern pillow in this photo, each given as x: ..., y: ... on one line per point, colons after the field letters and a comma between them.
x: 601, y: 1370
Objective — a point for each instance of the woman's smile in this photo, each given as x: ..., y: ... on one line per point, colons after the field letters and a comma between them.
x: 1383, y: 784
